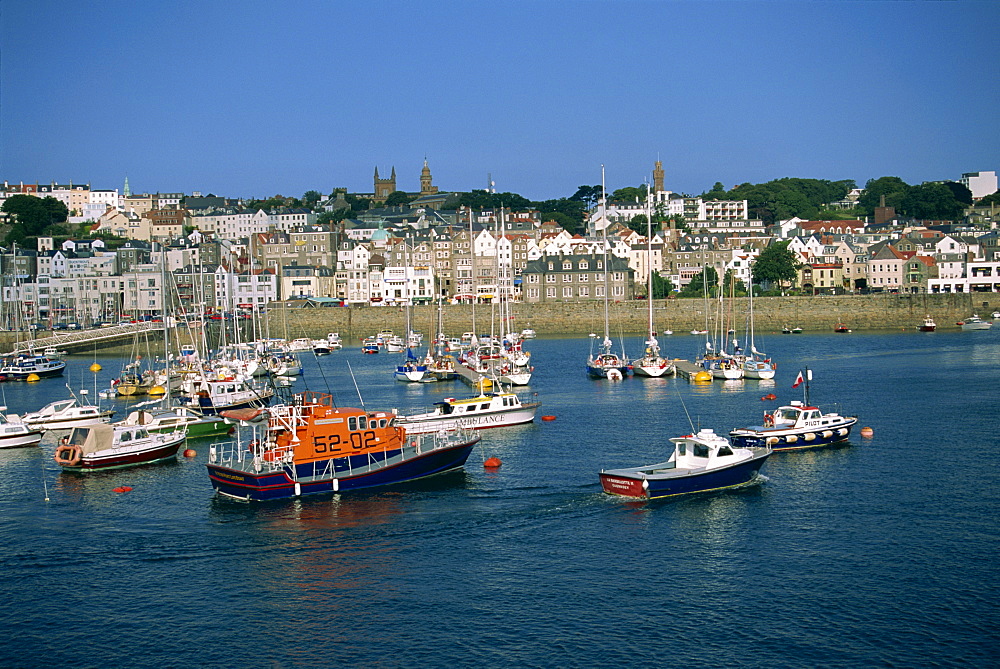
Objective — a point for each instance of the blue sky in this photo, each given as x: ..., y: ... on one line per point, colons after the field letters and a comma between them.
x: 252, y: 99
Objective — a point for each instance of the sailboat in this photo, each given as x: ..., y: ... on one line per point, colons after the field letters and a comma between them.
x: 411, y: 370
x: 605, y: 364
x: 440, y: 365
x: 652, y: 364
x: 756, y: 365
x: 515, y: 368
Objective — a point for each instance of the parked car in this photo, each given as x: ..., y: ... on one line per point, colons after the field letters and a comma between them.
x: 74, y: 326
x: 60, y: 326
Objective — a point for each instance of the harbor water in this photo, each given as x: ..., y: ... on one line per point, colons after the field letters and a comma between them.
x: 879, y: 552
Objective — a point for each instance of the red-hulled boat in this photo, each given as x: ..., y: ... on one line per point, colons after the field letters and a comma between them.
x: 311, y: 446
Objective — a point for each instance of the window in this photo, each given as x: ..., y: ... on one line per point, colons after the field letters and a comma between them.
x: 567, y: 264
x: 584, y: 291
x: 550, y: 291
x: 550, y: 278
x: 583, y: 278
x: 532, y: 278
x: 584, y: 264
x: 599, y: 291
x: 567, y: 278
x: 567, y: 291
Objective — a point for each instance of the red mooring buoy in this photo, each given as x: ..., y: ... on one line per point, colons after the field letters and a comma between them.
x: 123, y: 488
x: 492, y: 463
x: 548, y: 418
x: 769, y: 396
x: 190, y: 452
x: 867, y: 432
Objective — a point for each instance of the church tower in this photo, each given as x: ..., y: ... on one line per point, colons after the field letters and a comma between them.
x: 658, y: 177
x: 127, y: 191
x: 425, y: 181
x: 385, y: 187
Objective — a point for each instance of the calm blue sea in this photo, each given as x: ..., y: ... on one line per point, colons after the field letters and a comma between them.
x: 882, y: 552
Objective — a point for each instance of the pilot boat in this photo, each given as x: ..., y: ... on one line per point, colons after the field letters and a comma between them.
x: 795, y: 426
x: 482, y: 411
x: 312, y: 446
x: 699, y: 462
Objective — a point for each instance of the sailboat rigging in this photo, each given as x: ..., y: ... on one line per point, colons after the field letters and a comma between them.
x: 606, y: 364
x: 652, y: 364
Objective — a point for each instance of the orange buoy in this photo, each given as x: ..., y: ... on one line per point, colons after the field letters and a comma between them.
x: 867, y: 432
x: 769, y: 396
x: 123, y: 488
x: 548, y: 417
x: 190, y: 453
x: 492, y: 463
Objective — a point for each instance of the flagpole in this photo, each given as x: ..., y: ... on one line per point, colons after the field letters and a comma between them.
x: 808, y: 376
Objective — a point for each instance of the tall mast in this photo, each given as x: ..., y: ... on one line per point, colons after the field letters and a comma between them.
x: 649, y: 263
x: 604, y: 247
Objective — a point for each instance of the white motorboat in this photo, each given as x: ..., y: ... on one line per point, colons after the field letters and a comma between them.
x: 974, y: 322
x: 483, y: 411
x: 66, y: 414
x: 334, y: 341
x: 26, y: 365
x: 112, y: 446
x: 15, y: 433
x: 699, y: 462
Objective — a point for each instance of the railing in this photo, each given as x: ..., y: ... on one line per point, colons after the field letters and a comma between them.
x: 81, y: 337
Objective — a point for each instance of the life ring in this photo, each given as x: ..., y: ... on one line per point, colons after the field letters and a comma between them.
x: 68, y: 456
x: 768, y: 420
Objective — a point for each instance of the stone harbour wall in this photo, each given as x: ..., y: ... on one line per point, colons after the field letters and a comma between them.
x: 819, y: 313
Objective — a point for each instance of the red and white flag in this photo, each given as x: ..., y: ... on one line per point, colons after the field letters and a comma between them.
x: 798, y: 381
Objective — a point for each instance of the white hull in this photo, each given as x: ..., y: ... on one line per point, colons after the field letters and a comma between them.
x: 420, y: 424
x: 20, y: 440
x: 521, y: 379
x: 69, y: 423
x: 415, y: 376
x: 652, y: 368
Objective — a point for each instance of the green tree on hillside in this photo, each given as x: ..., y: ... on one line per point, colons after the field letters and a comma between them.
x: 661, y: 286
x: 398, y: 198
x: 960, y: 191
x: 629, y: 195
x: 31, y: 215
x: 589, y: 195
x: 775, y: 264
x: 932, y: 201
x: 707, y: 278
x: 893, y: 188
x: 992, y: 198
x: 311, y: 198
